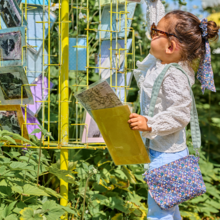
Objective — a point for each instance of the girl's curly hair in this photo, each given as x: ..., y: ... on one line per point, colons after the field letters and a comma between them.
x: 186, y: 28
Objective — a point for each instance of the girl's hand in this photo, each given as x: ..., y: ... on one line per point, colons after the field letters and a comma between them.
x: 138, y: 122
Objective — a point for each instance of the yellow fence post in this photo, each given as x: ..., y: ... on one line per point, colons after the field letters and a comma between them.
x: 64, y: 89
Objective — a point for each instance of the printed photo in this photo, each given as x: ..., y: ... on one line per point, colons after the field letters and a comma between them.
x: 91, y: 132
x: 12, y: 80
x: 9, y: 121
x: 11, y: 13
x: 94, y: 131
x: 11, y: 86
x: 12, y: 41
x: 10, y: 46
x: 40, y: 93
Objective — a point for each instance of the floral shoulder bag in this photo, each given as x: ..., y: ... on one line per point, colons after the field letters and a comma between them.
x: 180, y: 180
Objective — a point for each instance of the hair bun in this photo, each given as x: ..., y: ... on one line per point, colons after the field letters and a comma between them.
x: 212, y: 29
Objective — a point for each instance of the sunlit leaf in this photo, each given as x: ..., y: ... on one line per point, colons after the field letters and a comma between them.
x: 28, y: 214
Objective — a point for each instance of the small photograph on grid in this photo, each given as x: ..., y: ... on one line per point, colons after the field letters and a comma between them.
x: 12, y: 81
x: 10, y: 44
x: 11, y: 14
x: 91, y: 132
x: 9, y: 121
x: 11, y: 86
x: 12, y: 120
x: 12, y: 41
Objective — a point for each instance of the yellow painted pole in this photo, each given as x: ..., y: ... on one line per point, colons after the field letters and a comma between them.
x: 64, y: 97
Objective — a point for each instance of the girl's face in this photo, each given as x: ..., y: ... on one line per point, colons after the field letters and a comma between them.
x: 159, y: 43
x: 162, y: 47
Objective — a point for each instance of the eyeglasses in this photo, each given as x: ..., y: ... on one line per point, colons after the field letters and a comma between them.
x: 154, y: 32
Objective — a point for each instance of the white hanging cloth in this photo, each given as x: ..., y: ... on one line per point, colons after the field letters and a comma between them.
x: 155, y: 11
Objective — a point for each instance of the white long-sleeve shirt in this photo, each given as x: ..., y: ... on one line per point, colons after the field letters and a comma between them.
x: 172, y: 109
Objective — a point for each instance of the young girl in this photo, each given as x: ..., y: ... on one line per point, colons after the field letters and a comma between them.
x: 180, y: 37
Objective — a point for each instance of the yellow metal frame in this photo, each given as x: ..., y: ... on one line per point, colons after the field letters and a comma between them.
x: 64, y: 143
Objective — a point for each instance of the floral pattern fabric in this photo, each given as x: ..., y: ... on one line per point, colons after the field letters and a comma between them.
x: 175, y: 182
x: 205, y: 73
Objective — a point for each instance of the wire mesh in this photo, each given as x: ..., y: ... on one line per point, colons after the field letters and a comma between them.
x: 52, y: 60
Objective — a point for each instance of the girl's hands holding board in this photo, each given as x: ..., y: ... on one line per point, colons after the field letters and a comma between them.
x: 138, y: 122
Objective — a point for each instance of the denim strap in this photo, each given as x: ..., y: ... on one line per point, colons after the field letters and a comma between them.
x: 194, y: 123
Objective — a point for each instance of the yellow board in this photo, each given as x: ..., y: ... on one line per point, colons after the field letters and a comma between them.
x: 125, y: 145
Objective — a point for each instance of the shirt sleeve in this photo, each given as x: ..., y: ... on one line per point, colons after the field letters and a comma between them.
x: 177, y: 101
x: 143, y: 67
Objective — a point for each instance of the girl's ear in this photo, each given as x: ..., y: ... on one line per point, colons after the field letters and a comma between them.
x: 171, y: 47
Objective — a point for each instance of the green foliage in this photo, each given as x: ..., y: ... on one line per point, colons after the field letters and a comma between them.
x: 11, y: 138
x: 97, y: 188
x: 20, y: 196
x: 93, y: 179
x: 119, y: 190
x: 29, y: 180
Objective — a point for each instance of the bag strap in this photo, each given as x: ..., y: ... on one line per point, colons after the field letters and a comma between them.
x: 194, y: 123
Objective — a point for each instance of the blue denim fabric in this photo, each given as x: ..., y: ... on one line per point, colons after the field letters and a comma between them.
x: 159, y: 159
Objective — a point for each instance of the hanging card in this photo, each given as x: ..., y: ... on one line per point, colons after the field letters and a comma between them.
x: 11, y: 13
x: 77, y: 56
x: 116, y: 61
x: 11, y: 119
x: 35, y: 2
x: 35, y: 31
x: 12, y: 80
x: 12, y: 41
x: 40, y: 93
x: 119, y: 25
x: 32, y: 123
x: 35, y: 64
